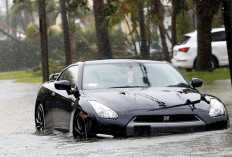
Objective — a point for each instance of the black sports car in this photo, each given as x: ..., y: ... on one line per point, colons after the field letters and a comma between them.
x: 125, y: 98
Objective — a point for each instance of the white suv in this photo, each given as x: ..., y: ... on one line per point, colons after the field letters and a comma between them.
x: 185, y: 53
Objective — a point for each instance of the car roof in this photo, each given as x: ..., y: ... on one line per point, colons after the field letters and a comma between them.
x: 120, y: 61
x: 217, y: 30
x: 212, y: 31
x: 105, y: 61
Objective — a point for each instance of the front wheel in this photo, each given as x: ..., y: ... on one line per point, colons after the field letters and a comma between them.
x: 79, y: 126
x: 39, y: 118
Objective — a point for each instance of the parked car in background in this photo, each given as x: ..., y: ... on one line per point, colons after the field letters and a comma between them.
x: 185, y: 52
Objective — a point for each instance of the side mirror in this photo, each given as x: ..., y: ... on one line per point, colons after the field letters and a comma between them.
x: 63, y: 85
x: 196, y: 82
x: 53, y: 76
x: 66, y: 85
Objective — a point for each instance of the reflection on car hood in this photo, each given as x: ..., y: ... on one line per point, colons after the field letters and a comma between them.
x: 143, y: 99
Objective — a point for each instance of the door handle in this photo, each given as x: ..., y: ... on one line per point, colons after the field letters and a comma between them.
x: 53, y: 94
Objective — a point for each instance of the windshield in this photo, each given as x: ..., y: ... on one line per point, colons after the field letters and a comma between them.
x: 131, y: 75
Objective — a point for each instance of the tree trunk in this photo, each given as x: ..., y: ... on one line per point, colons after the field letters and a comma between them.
x: 73, y: 43
x: 177, y: 5
x: 104, y: 49
x: 227, y: 6
x: 160, y: 16
x: 142, y: 27
x: 65, y: 24
x: 43, y: 40
x: 205, y: 12
x: 132, y: 38
x: 173, y: 26
x: 8, y: 35
x: 7, y: 17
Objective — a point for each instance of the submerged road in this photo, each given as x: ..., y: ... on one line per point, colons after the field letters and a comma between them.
x: 18, y: 137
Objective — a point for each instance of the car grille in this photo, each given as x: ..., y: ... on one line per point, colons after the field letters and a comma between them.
x: 165, y: 118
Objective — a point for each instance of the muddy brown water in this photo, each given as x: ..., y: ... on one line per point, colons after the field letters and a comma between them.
x: 18, y: 137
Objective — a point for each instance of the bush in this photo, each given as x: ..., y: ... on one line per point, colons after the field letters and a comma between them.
x: 18, y: 55
x: 32, y: 31
x: 53, y: 68
x: 26, y: 54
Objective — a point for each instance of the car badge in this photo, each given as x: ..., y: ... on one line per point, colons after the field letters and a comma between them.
x: 166, y: 118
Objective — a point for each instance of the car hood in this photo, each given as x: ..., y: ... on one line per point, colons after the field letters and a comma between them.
x: 144, y: 99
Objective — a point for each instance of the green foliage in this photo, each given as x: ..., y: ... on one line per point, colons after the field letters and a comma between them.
x: 86, y: 41
x: 208, y: 77
x: 76, y: 5
x: 26, y: 54
x: 117, y: 11
x: 218, y: 20
x: 53, y: 68
x: 20, y: 77
x: 183, y: 24
x: 14, y: 75
x: 32, y: 31
x: 18, y: 55
x: 29, y: 80
x: 56, y: 49
x: 21, y: 5
x: 77, y: 8
x: 54, y: 30
x: 117, y: 39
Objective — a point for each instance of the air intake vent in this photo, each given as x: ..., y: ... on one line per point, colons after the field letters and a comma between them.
x: 166, y: 118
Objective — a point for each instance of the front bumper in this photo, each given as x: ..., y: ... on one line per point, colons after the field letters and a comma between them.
x: 119, y: 128
x: 137, y: 129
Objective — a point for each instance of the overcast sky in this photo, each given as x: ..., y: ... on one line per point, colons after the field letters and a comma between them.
x: 3, y: 6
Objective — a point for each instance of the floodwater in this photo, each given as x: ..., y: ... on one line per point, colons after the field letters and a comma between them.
x: 18, y: 137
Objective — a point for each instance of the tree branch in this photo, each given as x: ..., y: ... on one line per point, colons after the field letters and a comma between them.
x: 10, y: 36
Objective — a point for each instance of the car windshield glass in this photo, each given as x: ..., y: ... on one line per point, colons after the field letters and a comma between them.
x: 131, y: 75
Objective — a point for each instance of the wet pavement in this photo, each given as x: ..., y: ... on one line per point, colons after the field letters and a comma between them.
x: 18, y: 137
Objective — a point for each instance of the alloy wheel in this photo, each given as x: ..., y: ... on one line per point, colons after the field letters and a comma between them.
x: 79, y: 127
x: 39, y: 118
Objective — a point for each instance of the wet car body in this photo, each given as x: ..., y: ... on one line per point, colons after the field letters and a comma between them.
x: 141, y: 111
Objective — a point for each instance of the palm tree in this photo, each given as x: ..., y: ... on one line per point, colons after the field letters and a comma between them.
x: 103, y: 41
x: 205, y: 12
x: 124, y: 11
x: 43, y: 39
x: 65, y: 24
x: 176, y: 7
x: 7, y: 16
x: 144, y: 46
x: 25, y: 8
x: 160, y: 17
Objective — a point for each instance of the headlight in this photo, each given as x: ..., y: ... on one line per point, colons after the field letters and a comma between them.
x: 216, y: 108
x: 103, y: 111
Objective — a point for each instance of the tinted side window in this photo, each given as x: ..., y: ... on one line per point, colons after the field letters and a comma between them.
x: 219, y: 36
x: 184, y: 40
x: 62, y: 75
x: 70, y: 75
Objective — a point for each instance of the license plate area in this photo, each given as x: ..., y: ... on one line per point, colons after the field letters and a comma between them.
x: 142, y: 130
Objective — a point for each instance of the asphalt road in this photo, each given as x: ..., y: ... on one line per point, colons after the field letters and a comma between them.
x: 18, y: 137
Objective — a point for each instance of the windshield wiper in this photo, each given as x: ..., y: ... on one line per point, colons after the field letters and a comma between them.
x: 126, y: 86
x: 180, y: 85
